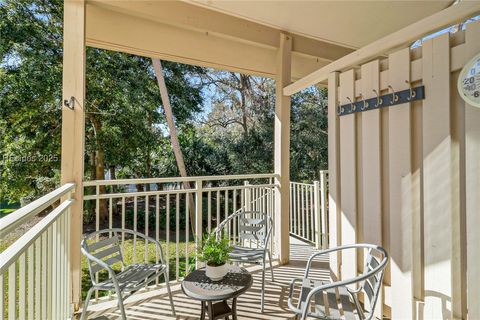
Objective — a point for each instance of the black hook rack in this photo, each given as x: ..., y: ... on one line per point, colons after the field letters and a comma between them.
x: 386, y: 100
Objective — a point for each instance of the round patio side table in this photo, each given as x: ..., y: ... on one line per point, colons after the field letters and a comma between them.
x: 213, y: 295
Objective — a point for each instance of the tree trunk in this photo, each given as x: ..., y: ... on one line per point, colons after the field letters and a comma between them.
x: 243, y: 102
x: 157, y: 67
x: 113, y: 176
x: 100, y: 167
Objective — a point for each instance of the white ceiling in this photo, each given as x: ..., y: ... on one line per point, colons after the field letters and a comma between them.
x: 349, y: 23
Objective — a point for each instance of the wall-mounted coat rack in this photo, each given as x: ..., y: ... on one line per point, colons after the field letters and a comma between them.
x: 387, y: 100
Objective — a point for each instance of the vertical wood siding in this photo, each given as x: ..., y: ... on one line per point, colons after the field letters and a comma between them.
x: 407, y: 178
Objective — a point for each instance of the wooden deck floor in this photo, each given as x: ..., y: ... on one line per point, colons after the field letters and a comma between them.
x: 156, y: 306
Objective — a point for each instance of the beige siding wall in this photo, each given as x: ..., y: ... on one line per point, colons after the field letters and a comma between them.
x: 407, y: 178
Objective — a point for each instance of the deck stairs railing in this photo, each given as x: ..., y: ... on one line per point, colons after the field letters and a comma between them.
x: 308, y: 211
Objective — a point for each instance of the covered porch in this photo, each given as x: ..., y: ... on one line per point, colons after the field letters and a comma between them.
x: 154, y: 305
x: 385, y: 182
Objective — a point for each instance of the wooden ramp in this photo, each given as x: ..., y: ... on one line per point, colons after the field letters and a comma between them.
x: 156, y: 306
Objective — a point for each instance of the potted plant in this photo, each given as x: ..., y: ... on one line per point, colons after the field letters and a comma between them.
x: 215, y: 253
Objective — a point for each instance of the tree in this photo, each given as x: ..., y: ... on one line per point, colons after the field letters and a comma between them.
x: 157, y: 66
x: 124, y: 128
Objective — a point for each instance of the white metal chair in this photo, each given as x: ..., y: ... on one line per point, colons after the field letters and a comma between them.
x: 253, y: 226
x: 332, y: 299
x: 103, y: 254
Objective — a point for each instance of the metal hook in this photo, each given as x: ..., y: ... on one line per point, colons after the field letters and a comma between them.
x: 69, y: 103
x: 413, y: 94
x: 352, y: 104
x: 379, y: 100
x: 394, y: 96
x: 365, y: 103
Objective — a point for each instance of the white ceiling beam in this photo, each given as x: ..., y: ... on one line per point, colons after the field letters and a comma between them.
x: 196, y: 18
x: 413, y: 32
x: 117, y: 31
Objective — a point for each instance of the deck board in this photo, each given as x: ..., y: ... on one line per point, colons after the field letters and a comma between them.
x: 248, y: 304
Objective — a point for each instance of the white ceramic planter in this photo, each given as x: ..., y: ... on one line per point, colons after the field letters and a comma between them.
x: 216, y: 273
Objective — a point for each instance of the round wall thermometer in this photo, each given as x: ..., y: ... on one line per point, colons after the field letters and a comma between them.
x: 469, y: 82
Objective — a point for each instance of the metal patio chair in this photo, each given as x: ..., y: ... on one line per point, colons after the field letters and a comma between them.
x: 253, y: 226
x: 103, y: 254
x: 334, y: 300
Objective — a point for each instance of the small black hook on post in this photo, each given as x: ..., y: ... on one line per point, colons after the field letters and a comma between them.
x: 69, y: 103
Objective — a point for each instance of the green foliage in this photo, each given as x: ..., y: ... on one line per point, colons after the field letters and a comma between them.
x: 214, y: 252
x: 225, y: 120
x: 124, y: 114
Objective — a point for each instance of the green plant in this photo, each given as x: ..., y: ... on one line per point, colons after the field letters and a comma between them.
x: 213, y: 251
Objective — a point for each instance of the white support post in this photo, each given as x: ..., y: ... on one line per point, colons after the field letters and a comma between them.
x: 198, y: 217
x: 282, y: 148
x: 323, y: 204
x: 73, y: 129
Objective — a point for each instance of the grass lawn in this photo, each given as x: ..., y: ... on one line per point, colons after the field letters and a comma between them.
x: 6, y: 208
x: 5, y: 211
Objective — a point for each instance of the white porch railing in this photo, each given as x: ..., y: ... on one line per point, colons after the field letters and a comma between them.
x: 308, y: 211
x: 171, y: 209
x: 35, y: 269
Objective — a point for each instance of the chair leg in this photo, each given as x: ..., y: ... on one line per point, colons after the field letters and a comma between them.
x: 263, y: 285
x: 120, y: 303
x: 165, y: 275
x: 85, y: 305
x: 271, y: 265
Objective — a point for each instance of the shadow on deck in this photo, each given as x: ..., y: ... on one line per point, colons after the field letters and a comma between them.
x: 248, y: 305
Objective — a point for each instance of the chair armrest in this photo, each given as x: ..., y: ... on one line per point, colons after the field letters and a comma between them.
x: 290, y: 294
x: 222, y: 224
x: 345, y: 247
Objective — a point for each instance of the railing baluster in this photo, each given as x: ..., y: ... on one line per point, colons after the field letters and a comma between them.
x: 61, y: 259
x: 38, y: 281
x: 209, y: 211
x: 234, y: 231
x: 177, y: 235
x: 54, y: 270
x: 97, y: 226
x: 30, y: 282
x: 157, y: 228
x: 22, y: 294
x: 2, y: 294
x: 304, y: 222
x: 12, y: 290
x: 218, y: 208
x: 198, y: 217
x: 167, y: 231
x: 312, y: 214
x: 243, y: 207
x: 123, y: 225
x: 110, y: 215
x: 49, y: 271
x: 226, y: 212
x: 110, y: 225
x: 44, y: 276
x: 147, y: 209
x: 290, y: 213
x: 135, y: 217
x: 307, y: 211
x: 187, y: 227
